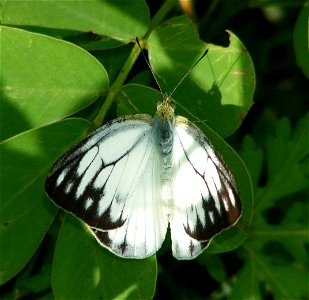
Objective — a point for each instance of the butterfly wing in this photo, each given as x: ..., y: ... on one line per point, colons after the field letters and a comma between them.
x: 206, y: 198
x: 111, y: 181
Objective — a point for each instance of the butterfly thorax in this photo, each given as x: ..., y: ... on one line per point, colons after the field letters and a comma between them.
x: 164, y: 123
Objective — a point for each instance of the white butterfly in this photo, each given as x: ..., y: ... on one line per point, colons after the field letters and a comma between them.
x: 137, y: 174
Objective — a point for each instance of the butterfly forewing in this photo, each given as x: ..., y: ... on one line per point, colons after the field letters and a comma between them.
x: 206, y: 198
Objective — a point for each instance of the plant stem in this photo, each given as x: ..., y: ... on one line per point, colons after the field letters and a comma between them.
x: 115, y: 87
x: 159, y: 16
x: 122, y: 76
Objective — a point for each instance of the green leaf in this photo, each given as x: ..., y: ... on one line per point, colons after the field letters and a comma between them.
x: 122, y: 20
x: 214, y: 265
x: 253, y: 159
x: 134, y: 98
x: 287, y: 162
x: 220, y: 87
x: 44, y: 79
x: 137, y: 99
x: 301, y: 40
x: 25, y: 212
x: 114, y: 59
x: 85, y: 270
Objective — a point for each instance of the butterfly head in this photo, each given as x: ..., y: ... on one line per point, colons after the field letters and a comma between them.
x: 165, y: 108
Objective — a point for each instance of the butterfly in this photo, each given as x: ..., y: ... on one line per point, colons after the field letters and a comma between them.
x: 137, y: 175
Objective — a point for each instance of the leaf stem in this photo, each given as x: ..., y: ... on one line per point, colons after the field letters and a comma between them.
x: 159, y: 16
x: 122, y: 76
x: 115, y: 87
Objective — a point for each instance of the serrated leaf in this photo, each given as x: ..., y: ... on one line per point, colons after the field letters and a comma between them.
x: 25, y: 212
x: 283, y: 282
x: 44, y: 79
x: 275, y: 254
x: 122, y: 20
x: 247, y: 284
x: 282, y: 234
x: 274, y: 260
x: 220, y: 87
x: 287, y: 162
x: 253, y: 159
x: 85, y: 270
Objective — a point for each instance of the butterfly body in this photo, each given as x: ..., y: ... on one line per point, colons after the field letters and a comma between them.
x: 164, y: 125
x: 137, y: 174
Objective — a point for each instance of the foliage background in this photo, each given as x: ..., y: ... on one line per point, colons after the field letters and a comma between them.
x: 271, y: 261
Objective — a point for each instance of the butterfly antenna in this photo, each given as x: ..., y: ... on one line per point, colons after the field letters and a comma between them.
x: 146, y: 59
x: 188, y: 72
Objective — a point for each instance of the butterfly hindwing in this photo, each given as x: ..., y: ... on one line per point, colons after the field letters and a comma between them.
x: 206, y: 198
x: 110, y: 181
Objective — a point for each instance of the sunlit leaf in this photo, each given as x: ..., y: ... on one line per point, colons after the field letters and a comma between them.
x: 122, y: 20
x: 44, y: 79
x: 219, y: 90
